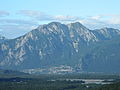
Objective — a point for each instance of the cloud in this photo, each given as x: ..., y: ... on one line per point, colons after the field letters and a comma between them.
x: 114, y: 19
x: 16, y: 27
x: 93, y: 20
x: 96, y: 17
x: 17, y: 22
x: 46, y: 17
x: 14, y: 24
x: 13, y: 31
x: 108, y: 18
x: 12, y: 28
x: 100, y: 21
x: 4, y: 13
x: 65, y: 18
x: 31, y: 19
x: 35, y: 14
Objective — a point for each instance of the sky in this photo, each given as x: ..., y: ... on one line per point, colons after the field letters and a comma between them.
x: 18, y: 17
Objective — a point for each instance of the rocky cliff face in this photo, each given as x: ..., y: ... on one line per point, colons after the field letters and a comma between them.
x: 51, y: 45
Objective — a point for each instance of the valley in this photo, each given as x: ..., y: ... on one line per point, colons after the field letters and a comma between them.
x: 60, y: 82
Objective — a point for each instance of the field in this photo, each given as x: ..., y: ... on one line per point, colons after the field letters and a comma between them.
x: 59, y: 82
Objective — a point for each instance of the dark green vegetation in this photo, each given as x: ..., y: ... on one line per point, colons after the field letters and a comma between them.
x: 115, y: 86
x: 41, y: 85
x: 54, y: 82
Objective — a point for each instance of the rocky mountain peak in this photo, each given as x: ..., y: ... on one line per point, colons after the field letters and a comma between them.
x: 77, y: 25
x: 54, y: 24
x: 52, y: 44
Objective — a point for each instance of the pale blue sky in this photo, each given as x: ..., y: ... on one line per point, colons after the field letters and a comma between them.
x: 20, y: 16
x: 65, y: 7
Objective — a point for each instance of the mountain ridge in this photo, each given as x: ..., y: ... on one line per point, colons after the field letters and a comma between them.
x: 52, y: 44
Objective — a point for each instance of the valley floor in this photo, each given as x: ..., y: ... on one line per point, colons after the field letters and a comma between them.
x: 58, y: 82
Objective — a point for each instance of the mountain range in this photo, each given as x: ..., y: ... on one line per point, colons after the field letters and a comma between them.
x: 58, y: 48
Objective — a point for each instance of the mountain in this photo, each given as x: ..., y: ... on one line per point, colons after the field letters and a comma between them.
x: 104, y: 57
x: 2, y: 38
x: 55, y: 44
x: 106, y: 33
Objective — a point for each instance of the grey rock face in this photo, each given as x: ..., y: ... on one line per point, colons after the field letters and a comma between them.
x: 106, y: 33
x: 52, y: 44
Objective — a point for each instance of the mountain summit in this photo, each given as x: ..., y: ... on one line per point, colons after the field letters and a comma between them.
x: 56, y: 44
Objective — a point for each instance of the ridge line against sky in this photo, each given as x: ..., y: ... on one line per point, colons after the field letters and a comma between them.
x: 19, y: 17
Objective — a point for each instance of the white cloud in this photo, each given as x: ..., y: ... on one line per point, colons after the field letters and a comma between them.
x: 13, y: 31
x: 65, y: 18
x: 96, y: 17
x: 100, y: 21
x: 35, y: 14
x: 115, y: 19
x: 12, y: 28
x: 17, y: 21
x: 16, y: 27
x: 107, y: 19
x: 33, y: 18
x: 46, y: 17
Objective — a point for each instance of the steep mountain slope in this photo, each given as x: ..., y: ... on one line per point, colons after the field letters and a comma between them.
x: 51, y: 45
x: 103, y: 57
x: 106, y: 33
